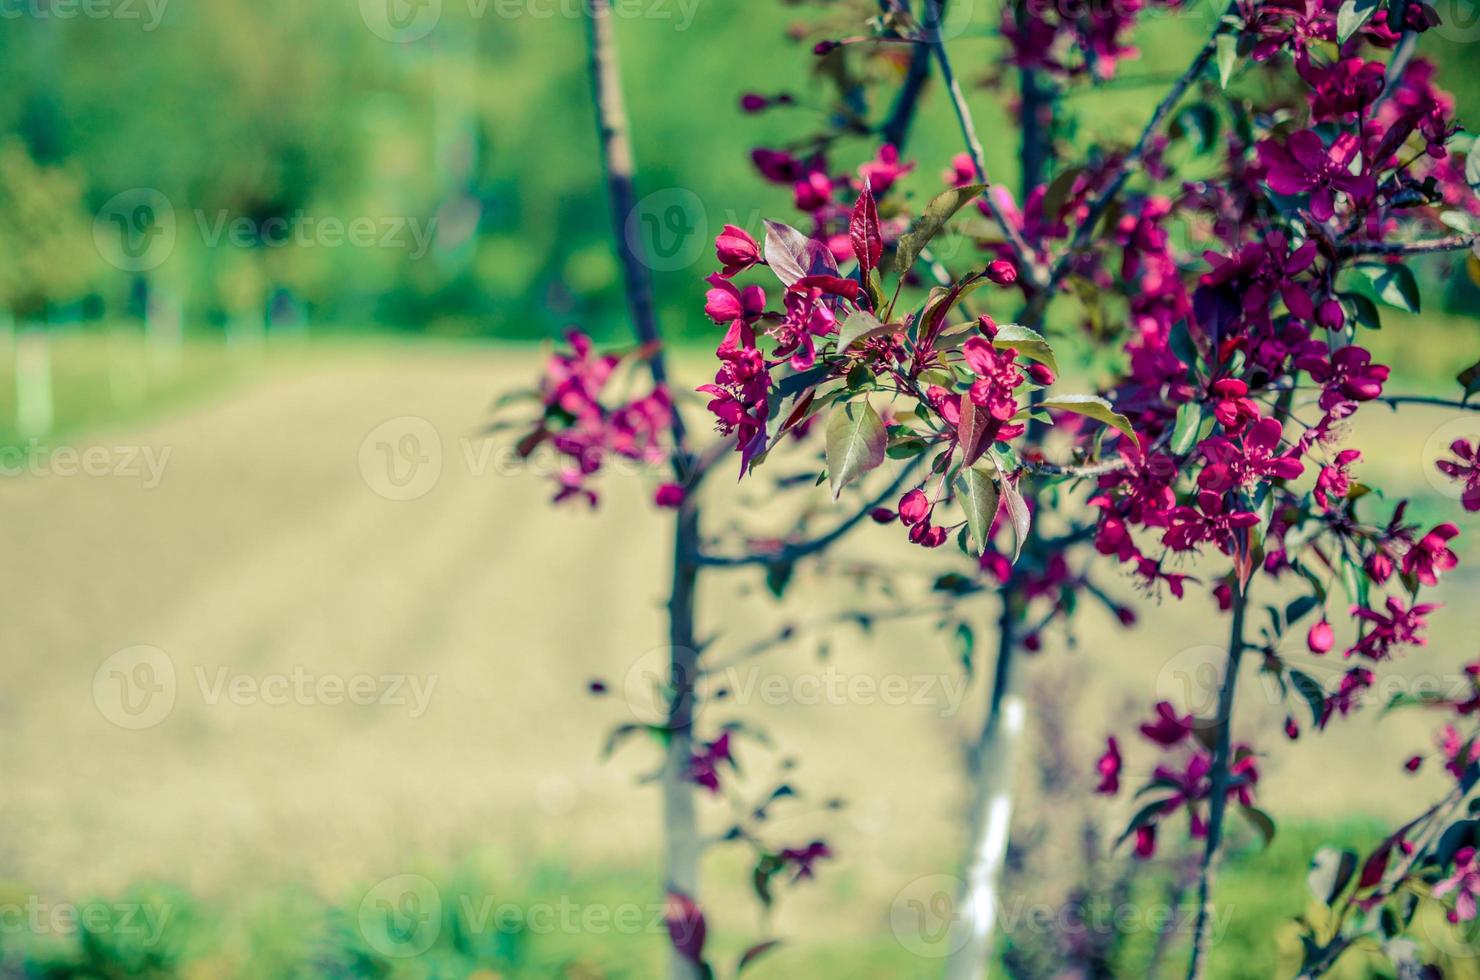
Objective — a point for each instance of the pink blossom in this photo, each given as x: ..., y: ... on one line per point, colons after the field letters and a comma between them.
x: 1430, y: 556
x: 1465, y: 467
x: 736, y: 251
x: 1305, y: 165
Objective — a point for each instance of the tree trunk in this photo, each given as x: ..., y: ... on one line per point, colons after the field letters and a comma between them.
x: 33, y: 394
x: 993, y: 767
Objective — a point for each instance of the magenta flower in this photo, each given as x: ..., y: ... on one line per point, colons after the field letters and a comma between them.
x: 1465, y: 467
x: 884, y: 170
x: 704, y: 764
x: 1209, y: 521
x: 1464, y: 883
x: 724, y: 302
x: 1401, y: 627
x: 1251, y: 461
x: 739, y: 390
x: 997, y: 375
x: 914, y: 507
x: 1430, y: 556
x: 1334, y: 482
x: 736, y: 251
x: 803, y: 858
x: 1167, y: 728
x: 1109, y: 766
x: 1304, y: 165
x: 669, y: 495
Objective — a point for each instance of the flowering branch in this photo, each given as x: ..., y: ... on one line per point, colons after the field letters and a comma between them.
x: 1027, y: 265
x: 1137, y: 155
x: 801, y: 549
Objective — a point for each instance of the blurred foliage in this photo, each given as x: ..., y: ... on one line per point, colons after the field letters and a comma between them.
x: 282, y: 114
x: 492, y: 920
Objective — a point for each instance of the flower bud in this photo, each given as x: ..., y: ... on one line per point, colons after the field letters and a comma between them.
x: 1230, y: 388
x: 1331, y: 315
x: 1002, y: 272
x: 825, y: 47
x: 1320, y: 638
x: 1292, y: 730
x: 882, y: 515
x: 914, y: 506
x: 669, y: 495
x: 987, y: 326
x: 1040, y: 374
x: 753, y: 102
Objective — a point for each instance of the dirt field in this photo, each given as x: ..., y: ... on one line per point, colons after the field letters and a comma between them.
x: 274, y: 577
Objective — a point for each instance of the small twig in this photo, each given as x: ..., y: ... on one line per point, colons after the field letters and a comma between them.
x: 1454, y: 243
x: 798, y: 550
x: 1135, y: 159
x: 1394, y: 401
x: 1028, y: 267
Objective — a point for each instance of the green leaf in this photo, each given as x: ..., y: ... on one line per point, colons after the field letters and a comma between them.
x: 1472, y: 167
x: 1091, y: 406
x: 980, y: 498
x: 1352, y: 15
x: 861, y: 325
x: 1470, y: 379
x: 1261, y: 821
x: 1017, y: 508
x: 928, y: 225
x: 1330, y: 870
x: 1227, y: 58
x: 1310, y: 689
x: 1027, y: 342
x: 1299, y: 608
x: 1189, y: 420
x: 1394, y: 284
x: 966, y: 647
x: 855, y: 443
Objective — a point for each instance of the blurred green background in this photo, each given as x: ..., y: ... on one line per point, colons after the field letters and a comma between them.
x: 180, y: 182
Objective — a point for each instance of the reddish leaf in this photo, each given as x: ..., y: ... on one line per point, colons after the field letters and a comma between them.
x: 863, y: 230
x: 754, y: 953
x: 832, y: 285
x: 686, y: 926
x: 972, y: 431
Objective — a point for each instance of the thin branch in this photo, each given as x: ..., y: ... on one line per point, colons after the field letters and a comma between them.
x: 1218, y: 792
x: 1395, y: 400
x: 616, y: 153
x: 1134, y: 160
x: 1028, y: 266
x: 1454, y: 243
x: 801, y: 549
x: 896, y: 129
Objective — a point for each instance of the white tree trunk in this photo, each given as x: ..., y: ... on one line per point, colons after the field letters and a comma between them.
x: 989, y: 821
x: 33, y: 396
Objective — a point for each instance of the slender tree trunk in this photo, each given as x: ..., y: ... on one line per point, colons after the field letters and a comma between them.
x: 681, y: 842
x: 993, y: 766
x: 681, y: 845
x: 33, y: 394
x: 1218, y: 801
x: 994, y: 758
